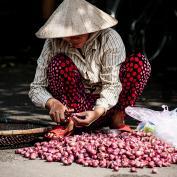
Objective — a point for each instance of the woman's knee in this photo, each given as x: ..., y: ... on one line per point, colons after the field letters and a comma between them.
x: 146, y: 66
x: 138, y: 66
x: 61, y: 65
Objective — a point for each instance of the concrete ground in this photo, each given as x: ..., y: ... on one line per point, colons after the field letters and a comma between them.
x: 15, y: 104
x: 17, y: 166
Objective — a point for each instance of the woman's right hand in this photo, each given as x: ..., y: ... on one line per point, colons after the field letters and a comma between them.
x: 57, y: 110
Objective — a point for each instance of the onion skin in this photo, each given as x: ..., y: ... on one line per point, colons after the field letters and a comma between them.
x: 33, y: 156
x: 116, y: 168
x: 18, y: 151
x: 49, y: 158
x: 27, y: 155
x: 154, y: 171
x: 133, y: 169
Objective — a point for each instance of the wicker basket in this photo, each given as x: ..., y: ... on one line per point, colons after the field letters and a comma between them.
x: 17, y: 133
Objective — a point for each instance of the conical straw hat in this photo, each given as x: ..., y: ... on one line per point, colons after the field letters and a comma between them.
x: 75, y: 17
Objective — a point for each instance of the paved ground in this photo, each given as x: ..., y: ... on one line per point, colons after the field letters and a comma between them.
x: 13, y: 165
x: 15, y: 104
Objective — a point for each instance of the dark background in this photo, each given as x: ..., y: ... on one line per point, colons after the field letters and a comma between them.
x: 154, y: 22
x: 150, y: 26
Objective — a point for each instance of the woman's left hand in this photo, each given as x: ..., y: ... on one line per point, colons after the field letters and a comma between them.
x: 86, y: 118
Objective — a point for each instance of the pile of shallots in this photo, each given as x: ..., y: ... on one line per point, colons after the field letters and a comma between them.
x: 107, y: 150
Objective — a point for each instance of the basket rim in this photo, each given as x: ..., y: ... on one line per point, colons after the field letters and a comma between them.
x: 23, y: 132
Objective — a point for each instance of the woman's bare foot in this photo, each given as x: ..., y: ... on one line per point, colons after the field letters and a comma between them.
x: 118, y: 119
x: 118, y: 122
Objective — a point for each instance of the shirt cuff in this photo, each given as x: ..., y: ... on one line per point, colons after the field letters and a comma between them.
x: 45, y: 101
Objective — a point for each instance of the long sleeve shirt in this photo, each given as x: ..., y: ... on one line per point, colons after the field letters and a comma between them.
x: 98, y: 62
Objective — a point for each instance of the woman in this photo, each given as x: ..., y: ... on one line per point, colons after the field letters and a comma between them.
x: 83, y: 75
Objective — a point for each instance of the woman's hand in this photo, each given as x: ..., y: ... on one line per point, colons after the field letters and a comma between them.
x: 88, y: 117
x: 57, y: 110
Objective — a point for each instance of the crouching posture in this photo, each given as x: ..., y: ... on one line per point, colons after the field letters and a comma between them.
x: 84, y: 77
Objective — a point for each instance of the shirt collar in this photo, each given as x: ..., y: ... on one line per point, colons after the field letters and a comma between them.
x: 91, y: 42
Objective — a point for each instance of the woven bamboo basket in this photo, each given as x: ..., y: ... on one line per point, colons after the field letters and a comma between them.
x: 20, y: 133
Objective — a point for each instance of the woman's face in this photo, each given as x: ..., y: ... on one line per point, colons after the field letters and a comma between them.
x: 77, y: 41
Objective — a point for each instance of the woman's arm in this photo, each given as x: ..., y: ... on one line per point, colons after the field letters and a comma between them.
x: 38, y: 93
x: 113, y: 56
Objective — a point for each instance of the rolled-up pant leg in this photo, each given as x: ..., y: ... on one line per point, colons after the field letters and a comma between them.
x: 134, y: 74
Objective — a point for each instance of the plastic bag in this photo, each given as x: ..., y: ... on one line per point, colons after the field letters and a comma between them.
x: 146, y: 127
x: 165, y: 122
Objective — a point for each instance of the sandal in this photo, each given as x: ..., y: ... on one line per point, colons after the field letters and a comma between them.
x: 125, y: 128
x: 60, y: 131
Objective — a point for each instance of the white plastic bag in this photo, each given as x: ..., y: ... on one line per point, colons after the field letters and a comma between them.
x: 165, y: 121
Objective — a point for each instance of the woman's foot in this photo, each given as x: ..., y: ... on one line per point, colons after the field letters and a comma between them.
x: 61, y: 131
x: 119, y: 123
x: 118, y: 119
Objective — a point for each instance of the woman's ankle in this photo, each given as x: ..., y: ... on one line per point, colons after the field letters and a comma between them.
x: 118, y: 119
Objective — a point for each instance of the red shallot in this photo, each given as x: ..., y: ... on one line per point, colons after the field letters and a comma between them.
x: 107, y: 150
